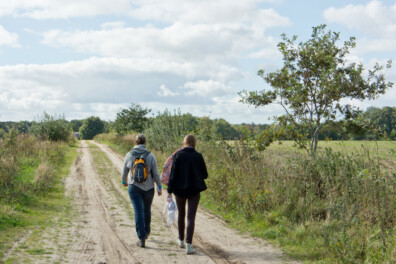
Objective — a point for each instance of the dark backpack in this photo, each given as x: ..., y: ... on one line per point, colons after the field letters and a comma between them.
x: 139, y: 167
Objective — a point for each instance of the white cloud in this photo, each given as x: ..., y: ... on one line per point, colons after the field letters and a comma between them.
x: 59, y: 9
x: 187, y: 11
x: 268, y: 51
x: 375, y: 19
x: 97, y: 81
x: 178, y: 41
x: 201, y: 51
x: 166, y: 92
x: 7, y: 38
x: 383, y: 44
x: 208, y: 12
x: 112, y: 25
x: 206, y: 88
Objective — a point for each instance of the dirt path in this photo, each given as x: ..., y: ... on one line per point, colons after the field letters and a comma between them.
x: 101, y: 228
x: 215, y: 243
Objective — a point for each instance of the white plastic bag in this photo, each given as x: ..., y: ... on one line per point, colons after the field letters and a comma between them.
x: 170, y: 210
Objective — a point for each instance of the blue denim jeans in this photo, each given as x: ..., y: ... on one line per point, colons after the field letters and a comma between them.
x: 141, y: 202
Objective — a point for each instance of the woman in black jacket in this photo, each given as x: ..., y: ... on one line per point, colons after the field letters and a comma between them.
x: 186, y: 181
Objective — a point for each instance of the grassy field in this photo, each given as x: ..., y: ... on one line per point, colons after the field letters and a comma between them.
x: 385, y: 151
x: 384, y: 148
x: 32, y: 197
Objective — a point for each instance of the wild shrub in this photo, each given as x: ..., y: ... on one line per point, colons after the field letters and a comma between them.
x: 45, y: 176
x: 91, y: 127
x: 26, y: 166
x: 131, y: 119
x: 167, y: 130
x: 53, y: 128
x: 7, y: 170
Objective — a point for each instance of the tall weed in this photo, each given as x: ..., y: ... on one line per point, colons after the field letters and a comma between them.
x: 26, y: 170
x: 349, y: 194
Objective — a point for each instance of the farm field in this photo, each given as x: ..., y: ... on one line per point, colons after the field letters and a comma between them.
x: 383, y: 150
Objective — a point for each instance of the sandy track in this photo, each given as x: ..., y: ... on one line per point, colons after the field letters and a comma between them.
x: 104, y: 232
x: 214, y: 241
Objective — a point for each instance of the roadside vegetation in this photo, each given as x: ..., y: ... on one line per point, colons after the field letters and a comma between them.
x: 338, y: 208
x: 32, y: 192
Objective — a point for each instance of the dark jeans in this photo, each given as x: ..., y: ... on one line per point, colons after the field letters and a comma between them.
x: 141, y: 202
x: 192, y: 202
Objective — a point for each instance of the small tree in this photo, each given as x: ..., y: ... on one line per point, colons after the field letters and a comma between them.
x: 314, y: 78
x: 76, y: 124
x: 54, y: 128
x: 167, y: 129
x: 205, y: 128
x: 131, y: 119
x: 91, y: 127
x: 224, y: 129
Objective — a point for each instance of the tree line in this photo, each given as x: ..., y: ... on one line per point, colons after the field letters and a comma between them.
x: 372, y: 124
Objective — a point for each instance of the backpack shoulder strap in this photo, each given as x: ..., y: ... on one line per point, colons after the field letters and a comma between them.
x: 145, y: 154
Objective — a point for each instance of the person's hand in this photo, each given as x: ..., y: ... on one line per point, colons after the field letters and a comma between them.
x: 169, y: 197
x: 159, y: 189
x: 125, y: 184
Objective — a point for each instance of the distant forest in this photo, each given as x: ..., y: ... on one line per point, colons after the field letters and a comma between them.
x: 372, y: 124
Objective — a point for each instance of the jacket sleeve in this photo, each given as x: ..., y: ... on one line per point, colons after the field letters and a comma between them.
x: 204, y: 171
x: 154, y: 171
x: 172, y: 176
x: 125, y: 169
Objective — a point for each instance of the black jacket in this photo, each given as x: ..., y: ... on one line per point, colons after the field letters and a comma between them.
x: 188, y: 173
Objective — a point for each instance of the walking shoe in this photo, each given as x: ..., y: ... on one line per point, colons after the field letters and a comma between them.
x: 141, y: 243
x: 180, y: 243
x: 189, y: 249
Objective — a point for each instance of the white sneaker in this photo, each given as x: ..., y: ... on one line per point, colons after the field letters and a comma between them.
x: 180, y: 243
x: 189, y: 249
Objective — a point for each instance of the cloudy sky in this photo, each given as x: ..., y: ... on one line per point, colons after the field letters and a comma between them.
x: 93, y: 57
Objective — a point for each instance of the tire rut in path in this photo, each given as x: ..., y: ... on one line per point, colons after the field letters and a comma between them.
x: 99, y: 241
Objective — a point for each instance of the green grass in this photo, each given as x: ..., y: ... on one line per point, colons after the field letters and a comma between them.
x: 296, y: 241
x: 385, y: 149
x: 25, y: 219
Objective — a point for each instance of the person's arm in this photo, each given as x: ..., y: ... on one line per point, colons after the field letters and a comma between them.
x: 172, y: 175
x: 125, y: 171
x: 154, y: 170
x: 203, y: 168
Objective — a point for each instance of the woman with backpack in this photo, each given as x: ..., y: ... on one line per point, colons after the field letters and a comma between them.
x: 144, y: 172
x: 187, y: 181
